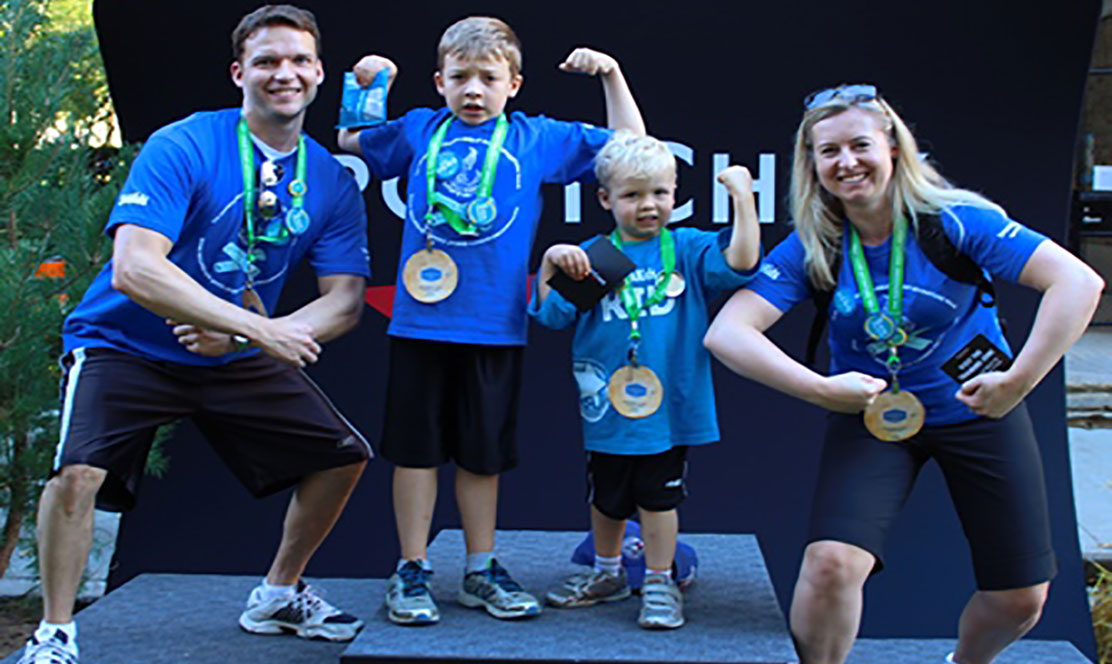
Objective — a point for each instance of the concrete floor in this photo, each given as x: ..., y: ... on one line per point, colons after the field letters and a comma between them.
x: 1089, y: 367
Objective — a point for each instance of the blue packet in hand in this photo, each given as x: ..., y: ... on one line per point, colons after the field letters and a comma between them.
x: 363, y: 106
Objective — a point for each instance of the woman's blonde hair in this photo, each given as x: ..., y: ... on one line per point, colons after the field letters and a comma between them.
x: 916, y: 187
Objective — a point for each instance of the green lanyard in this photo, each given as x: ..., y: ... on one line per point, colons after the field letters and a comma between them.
x: 629, y: 300
x: 884, y: 327
x: 486, y: 179
x: 297, y: 190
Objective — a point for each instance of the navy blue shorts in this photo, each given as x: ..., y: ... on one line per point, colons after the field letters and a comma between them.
x: 993, y: 471
x: 268, y: 422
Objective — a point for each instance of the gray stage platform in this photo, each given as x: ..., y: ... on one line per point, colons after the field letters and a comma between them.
x: 732, y: 612
x: 934, y: 651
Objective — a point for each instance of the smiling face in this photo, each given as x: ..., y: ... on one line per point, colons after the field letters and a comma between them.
x: 279, y: 73
x: 476, y: 89
x: 641, y: 206
x: 854, y: 158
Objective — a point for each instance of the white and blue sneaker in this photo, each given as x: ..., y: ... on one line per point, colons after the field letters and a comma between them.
x: 305, y: 614
x: 409, y: 596
x: 493, y: 589
x: 58, y: 648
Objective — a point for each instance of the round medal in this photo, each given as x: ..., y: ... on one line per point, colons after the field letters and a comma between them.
x: 297, y: 187
x: 252, y: 302
x: 879, y: 326
x: 482, y: 211
x: 676, y: 285
x: 268, y: 204
x: 430, y: 275
x: 635, y: 392
x: 894, y: 415
x: 447, y: 165
x: 297, y: 220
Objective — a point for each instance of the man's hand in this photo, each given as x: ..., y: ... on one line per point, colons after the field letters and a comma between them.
x: 589, y: 61
x: 288, y: 340
x: 201, y: 341
x: 569, y: 258
x: 850, y: 392
x: 737, y: 180
x: 369, y: 66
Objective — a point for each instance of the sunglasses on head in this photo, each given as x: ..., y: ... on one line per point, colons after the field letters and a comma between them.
x: 850, y: 93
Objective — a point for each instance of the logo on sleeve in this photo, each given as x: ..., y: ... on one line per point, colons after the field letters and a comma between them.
x: 134, y: 198
x: 592, y: 379
x: 1009, y: 231
x: 770, y: 270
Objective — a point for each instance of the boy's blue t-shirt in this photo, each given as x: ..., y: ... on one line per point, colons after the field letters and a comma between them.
x: 187, y: 184
x: 488, y: 305
x: 671, y: 345
x: 942, y: 315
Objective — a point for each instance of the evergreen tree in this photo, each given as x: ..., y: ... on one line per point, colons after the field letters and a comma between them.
x: 58, y: 183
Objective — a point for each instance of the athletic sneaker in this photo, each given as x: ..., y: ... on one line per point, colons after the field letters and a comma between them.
x: 589, y: 588
x: 304, y: 614
x: 409, y: 597
x: 494, y: 590
x: 661, y: 603
x: 56, y: 650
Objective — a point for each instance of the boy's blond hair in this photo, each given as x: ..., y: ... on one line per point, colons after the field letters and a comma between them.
x: 480, y: 37
x: 629, y: 155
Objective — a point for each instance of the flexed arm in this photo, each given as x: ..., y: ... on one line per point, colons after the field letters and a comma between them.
x: 621, y: 107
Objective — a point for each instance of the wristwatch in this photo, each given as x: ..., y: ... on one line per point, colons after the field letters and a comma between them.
x: 240, y: 343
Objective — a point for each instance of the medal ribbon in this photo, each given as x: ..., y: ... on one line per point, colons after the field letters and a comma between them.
x: 486, y: 178
x: 247, y: 162
x: 869, y: 300
x: 629, y: 300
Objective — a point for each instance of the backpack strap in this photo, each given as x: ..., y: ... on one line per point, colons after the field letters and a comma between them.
x: 822, y: 299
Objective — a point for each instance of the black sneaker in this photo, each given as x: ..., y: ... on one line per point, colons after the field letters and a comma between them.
x: 304, y: 614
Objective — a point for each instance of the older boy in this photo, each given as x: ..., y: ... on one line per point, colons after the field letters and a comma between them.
x: 459, y: 321
x: 187, y: 247
x: 641, y: 351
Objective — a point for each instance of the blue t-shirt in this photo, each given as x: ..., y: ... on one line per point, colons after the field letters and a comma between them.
x: 187, y: 184
x: 941, y: 315
x: 671, y: 345
x: 488, y: 305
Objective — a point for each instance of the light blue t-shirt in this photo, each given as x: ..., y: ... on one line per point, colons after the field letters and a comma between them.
x: 671, y: 345
x: 942, y: 315
x: 187, y: 184
x: 488, y: 305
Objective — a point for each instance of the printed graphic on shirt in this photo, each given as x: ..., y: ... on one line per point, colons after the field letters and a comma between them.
x: 225, y: 263
x: 592, y: 379
x: 642, y: 283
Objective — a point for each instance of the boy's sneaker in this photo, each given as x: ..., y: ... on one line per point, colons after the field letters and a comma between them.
x: 304, y: 614
x: 58, y: 649
x: 661, y: 603
x: 494, y: 590
x: 590, y: 588
x: 409, y: 598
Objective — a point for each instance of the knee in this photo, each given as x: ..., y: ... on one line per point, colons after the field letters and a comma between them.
x: 834, y: 566
x: 1022, y: 606
x: 76, y: 486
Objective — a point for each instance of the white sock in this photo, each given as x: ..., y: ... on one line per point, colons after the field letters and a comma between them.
x: 662, y: 572
x: 272, y: 592
x: 423, y: 562
x: 47, y: 630
x: 950, y: 658
x: 609, y: 564
x: 477, y: 562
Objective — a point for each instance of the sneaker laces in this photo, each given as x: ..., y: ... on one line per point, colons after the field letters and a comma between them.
x: 415, y: 580
x: 50, y: 651
x: 502, y: 578
x: 311, y: 600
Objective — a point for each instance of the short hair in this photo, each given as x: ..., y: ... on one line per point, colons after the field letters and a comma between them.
x: 268, y: 15
x: 478, y: 37
x: 632, y: 155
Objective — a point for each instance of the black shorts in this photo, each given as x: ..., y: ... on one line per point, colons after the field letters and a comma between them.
x: 452, y: 402
x: 269, y: 423
x: 994, y: 474
x: 617, y: 484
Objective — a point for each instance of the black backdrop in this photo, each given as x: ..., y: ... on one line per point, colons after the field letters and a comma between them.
x: 992, y: 89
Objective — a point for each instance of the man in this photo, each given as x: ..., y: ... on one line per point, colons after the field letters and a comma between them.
x: 217, y: 210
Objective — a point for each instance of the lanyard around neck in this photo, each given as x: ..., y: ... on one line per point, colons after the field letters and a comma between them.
x: 634, y: 309
x: 486, y: 178
x: 250, y: 193
x: 887, y: 329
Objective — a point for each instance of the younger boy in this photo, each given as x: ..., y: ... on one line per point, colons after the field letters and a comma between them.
x: 644, y: 376
x: 459, y: 319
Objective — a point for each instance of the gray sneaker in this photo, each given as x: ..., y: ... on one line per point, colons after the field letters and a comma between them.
x: 494, y: 590
x: 589, y: 588
x: 661, y: 603
x: 408, y: 597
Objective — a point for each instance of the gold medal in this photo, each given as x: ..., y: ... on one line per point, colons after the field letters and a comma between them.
x: 635, y: 391
x: 252, y: 302
x: 676, y: 285
x: 430, y: 275
x: 894, y: 415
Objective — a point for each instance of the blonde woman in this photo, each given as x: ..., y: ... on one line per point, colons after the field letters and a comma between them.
x: 864, y: 205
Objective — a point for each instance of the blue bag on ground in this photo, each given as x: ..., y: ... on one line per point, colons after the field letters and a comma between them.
x: 633, y: 557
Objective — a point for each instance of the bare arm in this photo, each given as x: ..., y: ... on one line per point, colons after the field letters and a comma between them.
x: 1071, y: 290
x: 621, y: 107
x: 744, y: 249
x: 337, y: 310
x: 737, y: 338
x: 365, y: 71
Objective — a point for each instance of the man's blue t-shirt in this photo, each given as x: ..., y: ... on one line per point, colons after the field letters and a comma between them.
x: 187, y: 184
x: 671, y: 345
x: 488, y: 305
x: 941, y: 315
